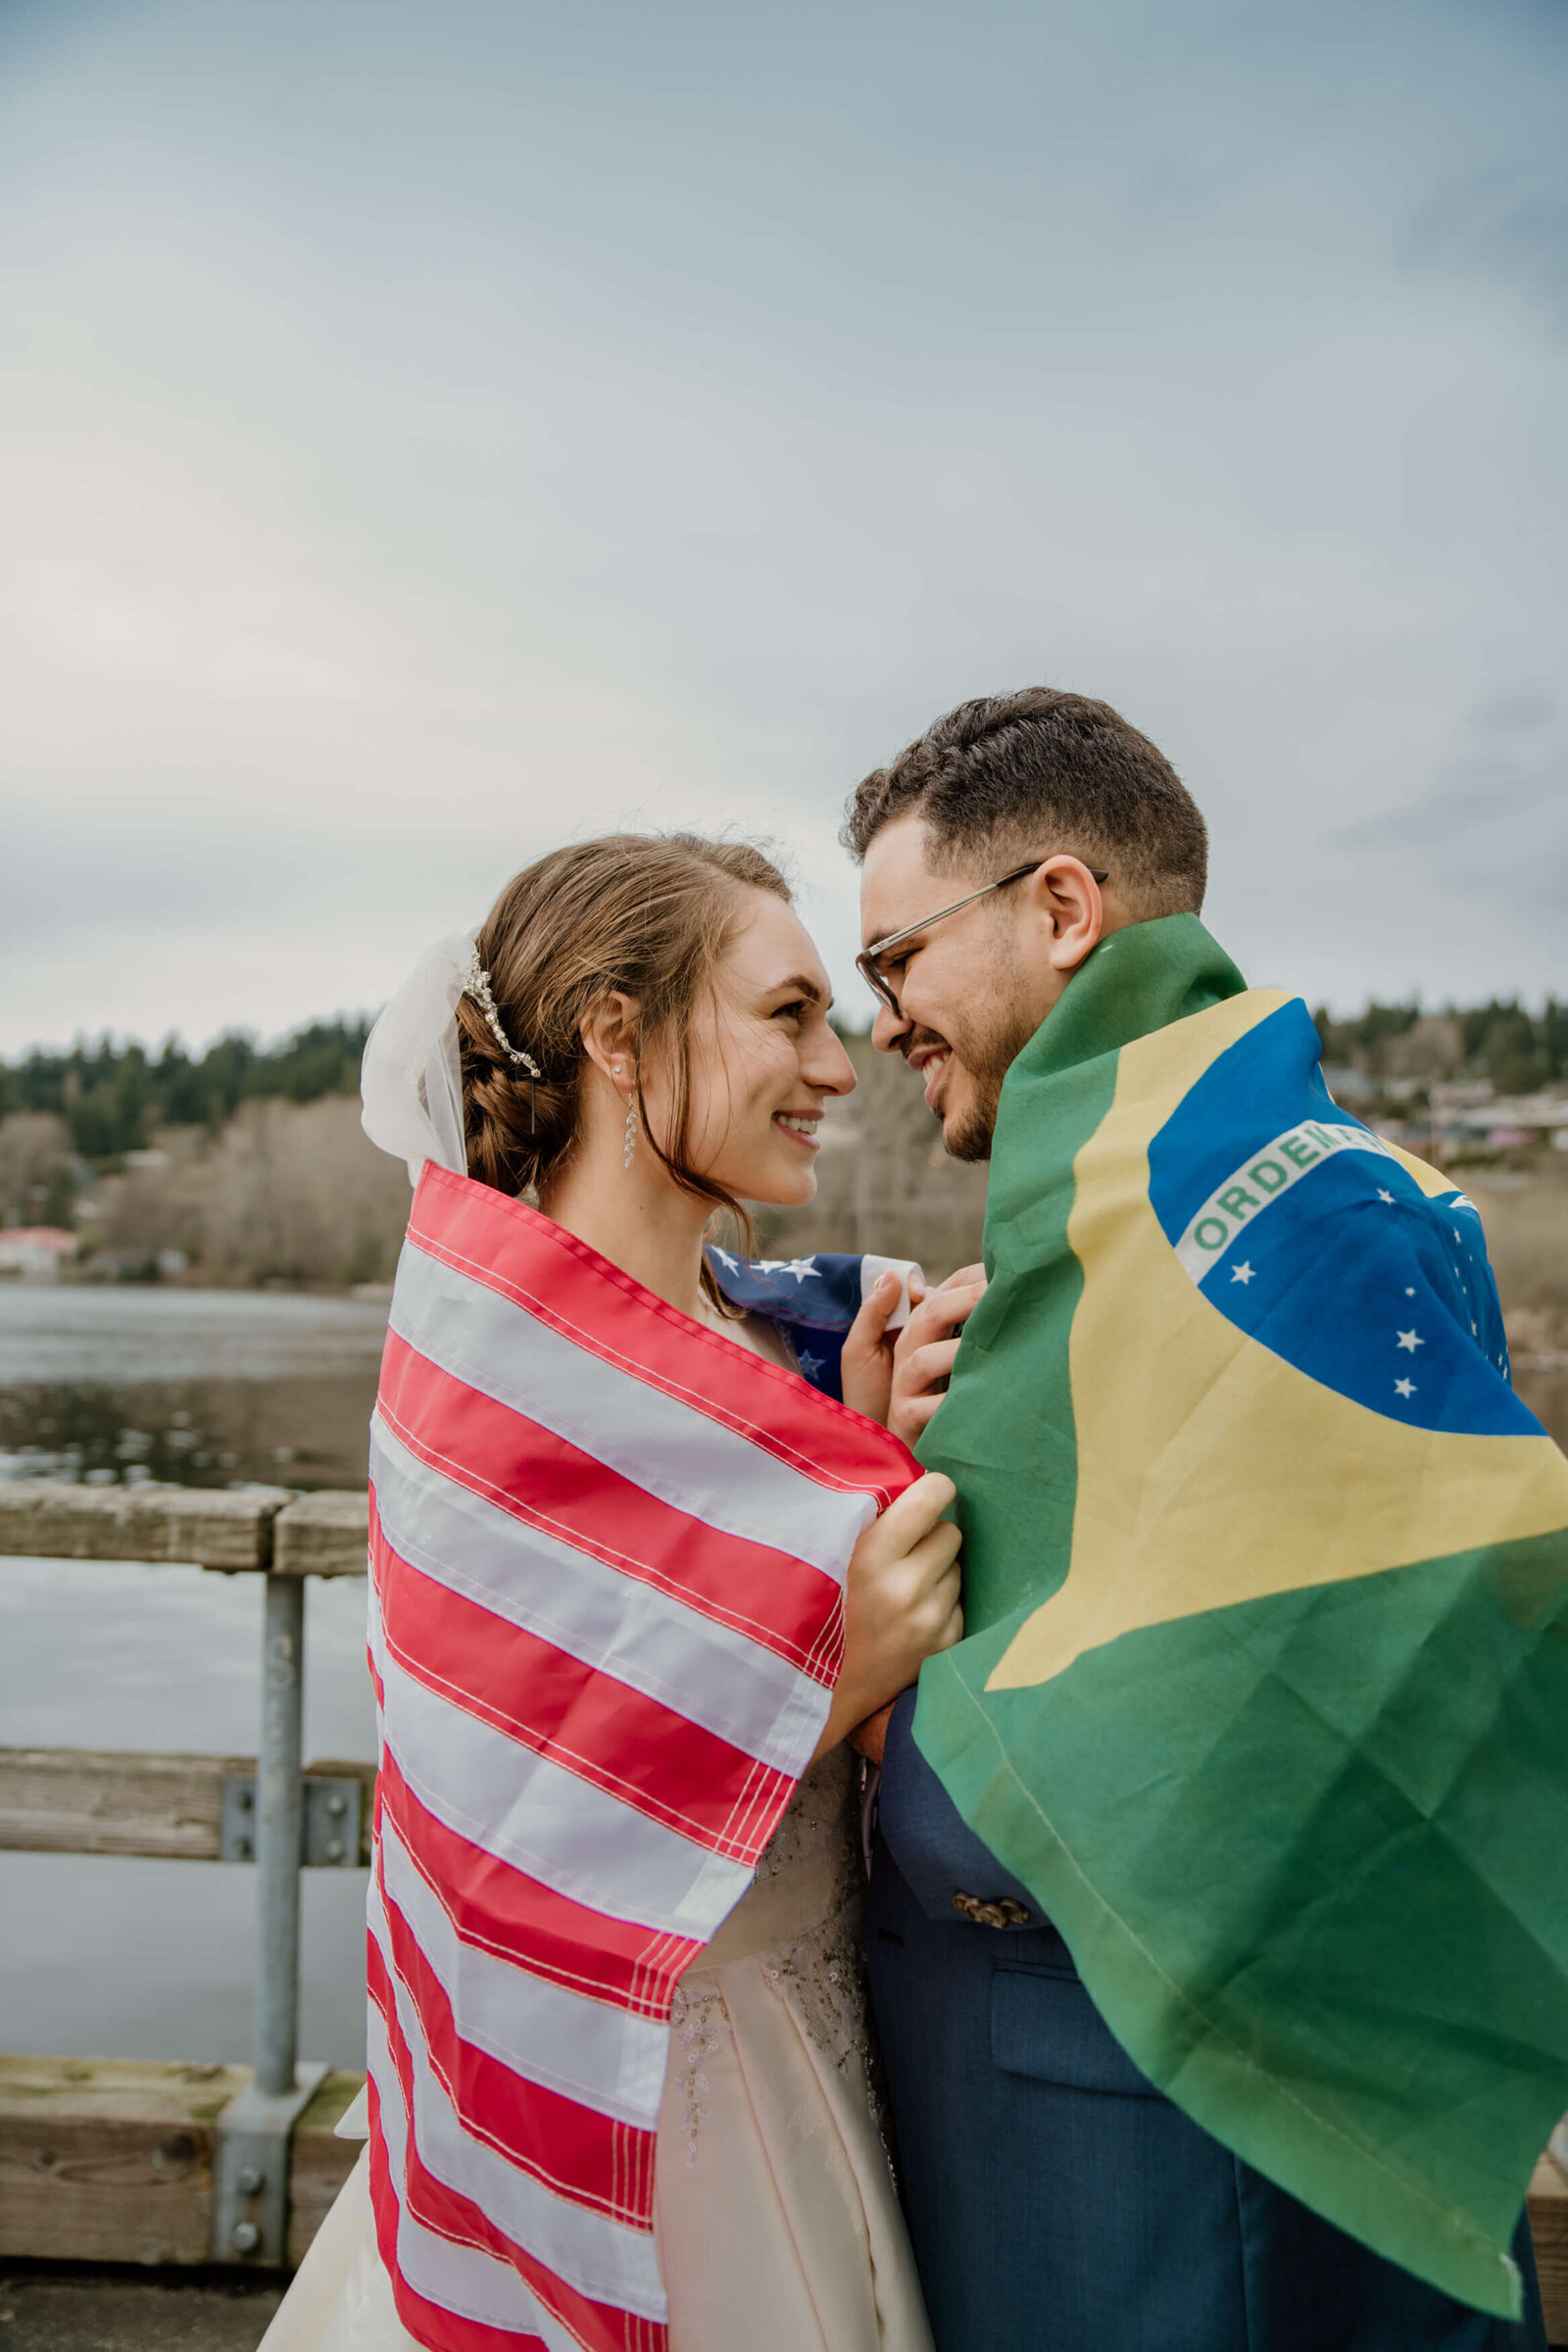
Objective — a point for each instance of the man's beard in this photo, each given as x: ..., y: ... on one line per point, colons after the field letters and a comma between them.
x: 987, y: 1051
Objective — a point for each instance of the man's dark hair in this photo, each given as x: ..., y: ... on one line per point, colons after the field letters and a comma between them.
x: 1012, y: 773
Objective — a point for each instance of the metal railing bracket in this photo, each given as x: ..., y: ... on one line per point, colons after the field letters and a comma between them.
x: 330, y: 1830
x: 250, y: 2171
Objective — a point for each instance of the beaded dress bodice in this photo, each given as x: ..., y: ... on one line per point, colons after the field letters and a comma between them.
x: 801, y: 1922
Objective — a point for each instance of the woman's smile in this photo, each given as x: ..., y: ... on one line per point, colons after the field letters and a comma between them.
x: 801, y: 1126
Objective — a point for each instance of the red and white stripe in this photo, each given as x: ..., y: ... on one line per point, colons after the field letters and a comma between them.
x: 607, y: 1558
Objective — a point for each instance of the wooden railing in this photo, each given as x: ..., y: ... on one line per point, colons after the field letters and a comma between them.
x: 183, y: 2163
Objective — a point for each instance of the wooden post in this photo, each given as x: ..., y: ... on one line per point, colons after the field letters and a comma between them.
x: 323, y: 1535
x: 1548, y: 2229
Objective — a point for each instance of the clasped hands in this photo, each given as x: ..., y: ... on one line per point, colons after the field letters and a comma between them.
x: 901, y: 1606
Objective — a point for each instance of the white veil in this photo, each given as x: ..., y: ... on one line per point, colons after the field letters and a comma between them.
x: 410, y: 1081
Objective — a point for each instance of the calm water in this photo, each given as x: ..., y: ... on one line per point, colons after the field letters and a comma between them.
x: 153, y: 1959
x: 202, y: 1387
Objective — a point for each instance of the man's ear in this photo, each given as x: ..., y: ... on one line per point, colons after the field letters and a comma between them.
x: 1062, y: 895
x: 609, y: 1030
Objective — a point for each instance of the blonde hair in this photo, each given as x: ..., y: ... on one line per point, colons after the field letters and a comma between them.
x: 647, y: 914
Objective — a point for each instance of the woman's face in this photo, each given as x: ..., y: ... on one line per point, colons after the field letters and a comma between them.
x: 762, y: 1060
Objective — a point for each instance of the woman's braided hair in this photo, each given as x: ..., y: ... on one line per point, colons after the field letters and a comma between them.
x: 648, y: 913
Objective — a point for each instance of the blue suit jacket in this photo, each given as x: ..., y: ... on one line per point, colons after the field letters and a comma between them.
x: 1057, y: 2203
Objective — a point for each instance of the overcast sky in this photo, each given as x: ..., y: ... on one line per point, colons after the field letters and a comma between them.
x: 429, y: 433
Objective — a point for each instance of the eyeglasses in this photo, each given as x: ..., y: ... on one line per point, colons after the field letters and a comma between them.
x: 867, y: 962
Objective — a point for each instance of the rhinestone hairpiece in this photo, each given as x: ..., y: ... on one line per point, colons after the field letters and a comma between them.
x: 476, y: 984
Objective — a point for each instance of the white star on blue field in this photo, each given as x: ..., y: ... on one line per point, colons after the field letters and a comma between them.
x: 799, y: 1267
x: 813, y: 1297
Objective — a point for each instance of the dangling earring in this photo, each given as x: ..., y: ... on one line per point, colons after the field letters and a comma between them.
x: 631, y: 1132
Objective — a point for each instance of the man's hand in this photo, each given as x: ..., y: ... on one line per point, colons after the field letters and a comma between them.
x: 866, y: 1367
x: 924, y: 1353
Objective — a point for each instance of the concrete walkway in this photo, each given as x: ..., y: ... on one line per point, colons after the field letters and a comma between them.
x: 94, y: 2307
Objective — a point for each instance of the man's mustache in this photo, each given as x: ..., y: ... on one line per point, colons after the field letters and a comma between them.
x: 919, y: 1037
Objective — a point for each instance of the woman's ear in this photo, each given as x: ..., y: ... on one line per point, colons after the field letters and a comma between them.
x: 609, y: 1031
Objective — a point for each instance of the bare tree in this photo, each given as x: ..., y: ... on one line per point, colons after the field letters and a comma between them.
x: 35, y: 1168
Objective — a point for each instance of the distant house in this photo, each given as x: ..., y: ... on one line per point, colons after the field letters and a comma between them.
x: 1495, y: 1122
x: 1538, y: 1114
x: 35, y: 1253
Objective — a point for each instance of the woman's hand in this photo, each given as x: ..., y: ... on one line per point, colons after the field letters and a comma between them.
x: 924, y: 1353
x: 866, y: 1372
x: 900, y: 1603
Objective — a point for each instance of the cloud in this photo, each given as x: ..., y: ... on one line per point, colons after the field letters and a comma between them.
x: 1499, y: 803
x: 426, y: 437
x: 1488, y: 832
x: 1504, y: 229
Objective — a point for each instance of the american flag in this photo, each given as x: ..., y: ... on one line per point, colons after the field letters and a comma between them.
x: 607, y: 1550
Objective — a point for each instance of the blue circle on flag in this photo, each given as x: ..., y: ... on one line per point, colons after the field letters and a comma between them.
x: 1304, y: 1230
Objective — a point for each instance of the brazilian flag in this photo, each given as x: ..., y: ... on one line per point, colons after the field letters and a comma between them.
x: 1264, y: 1690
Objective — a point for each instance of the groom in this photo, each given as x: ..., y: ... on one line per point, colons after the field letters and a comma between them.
x: 1056, y: 2198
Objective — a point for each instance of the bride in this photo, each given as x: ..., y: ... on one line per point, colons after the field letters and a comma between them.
x: 636, y: 1572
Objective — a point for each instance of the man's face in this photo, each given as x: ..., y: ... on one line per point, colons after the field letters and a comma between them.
x: 973, y: 988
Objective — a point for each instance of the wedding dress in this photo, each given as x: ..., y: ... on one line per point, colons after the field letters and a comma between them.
x: 774, y: 2212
